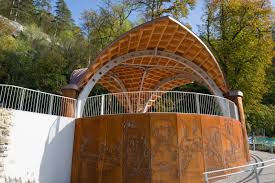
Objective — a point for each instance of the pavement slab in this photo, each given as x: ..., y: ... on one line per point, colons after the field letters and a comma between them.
x: 266, y: 175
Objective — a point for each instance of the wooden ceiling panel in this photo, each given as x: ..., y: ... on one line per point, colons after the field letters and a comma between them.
x: 164, y: 34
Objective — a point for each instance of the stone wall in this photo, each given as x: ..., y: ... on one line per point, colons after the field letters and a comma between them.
x: 5, y: 123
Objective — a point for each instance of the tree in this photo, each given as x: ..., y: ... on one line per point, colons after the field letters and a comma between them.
x: 152, y: 9
x: 73, y: 48
x: 24, y: 11
x: 269, y: 97
x: 262, y: 117
x: 239, y: 34
x: 6, y: 7
x: 104, y: 25
x: 43, y: 14
x: 193, y: 87
x: 63, y: 16
x: 18, y: 10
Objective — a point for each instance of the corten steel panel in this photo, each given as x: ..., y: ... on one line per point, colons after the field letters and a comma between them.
x: 136, y: 149
x: 212, y: 142
x: 110, y: 150
x: 154, y: 147
x: 191, y: 161
x: 164, y: 148
x: 232, y: 142
x: 98, y: 150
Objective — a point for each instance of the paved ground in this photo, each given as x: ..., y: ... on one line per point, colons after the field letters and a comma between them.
x: 266, y: 175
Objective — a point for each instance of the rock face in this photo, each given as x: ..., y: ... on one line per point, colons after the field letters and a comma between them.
x: 11, y: 26
x: 5, y: 124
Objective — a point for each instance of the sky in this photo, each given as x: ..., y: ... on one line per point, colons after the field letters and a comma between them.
x: 78, y: 6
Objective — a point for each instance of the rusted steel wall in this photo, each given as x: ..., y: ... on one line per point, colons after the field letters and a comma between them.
x: 154, y: 147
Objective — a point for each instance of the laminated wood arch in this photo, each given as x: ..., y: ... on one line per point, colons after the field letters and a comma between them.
x: 142, y: 58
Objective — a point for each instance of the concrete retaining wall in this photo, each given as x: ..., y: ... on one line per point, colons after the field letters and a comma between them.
x: 39, y: 148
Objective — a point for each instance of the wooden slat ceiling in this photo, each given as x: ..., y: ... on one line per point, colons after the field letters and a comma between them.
x: 165, y: 34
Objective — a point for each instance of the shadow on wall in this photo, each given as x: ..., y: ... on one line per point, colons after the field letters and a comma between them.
x: 55, y: 165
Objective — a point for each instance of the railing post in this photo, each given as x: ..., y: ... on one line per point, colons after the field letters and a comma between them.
x: 228, y: 106
x: 22, y: 99
x: 50, y: 105
x: 206, y: 178
x: 102, y: 104
x: 253, y: 140
x: 37, y: 100
x: 256, y: 173
x: 197, y: 103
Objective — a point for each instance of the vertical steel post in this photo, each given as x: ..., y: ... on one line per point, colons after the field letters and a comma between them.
x: 206, y: 178
x: 37, y: 101
x: 253, y: 140
x: 102, y: 105
x: 22, y: 99
x: 197, y: 103
x: 50, y: 105
x: 256, y: 173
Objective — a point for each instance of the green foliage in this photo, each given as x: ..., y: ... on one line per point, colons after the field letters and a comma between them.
x: 239, y: 33
x: 63, y: 16
x: 262, y: 117
x: 43, y: 16
x: 154, y: 9
x: 5, y: 7
x: 30, y: 62
x: 26, y: 11
x: 269, y: 97
x: 43, y: 55
x: 104, y: 25
x: 193, y: 87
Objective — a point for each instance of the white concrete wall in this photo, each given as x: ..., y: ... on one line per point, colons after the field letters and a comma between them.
x: 40, y: 147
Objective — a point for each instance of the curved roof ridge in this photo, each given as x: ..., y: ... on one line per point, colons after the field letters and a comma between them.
x: 188, y: 45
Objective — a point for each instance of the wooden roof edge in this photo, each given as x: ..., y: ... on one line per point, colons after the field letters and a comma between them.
x: 86, y: 74
x: 204, y: 45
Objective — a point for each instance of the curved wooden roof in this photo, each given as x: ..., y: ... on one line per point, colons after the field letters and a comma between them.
x: 150, y: 72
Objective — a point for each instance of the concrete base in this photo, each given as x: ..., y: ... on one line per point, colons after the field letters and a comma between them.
x: 154, y: 147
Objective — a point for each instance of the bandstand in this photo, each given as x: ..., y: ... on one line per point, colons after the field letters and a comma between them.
x: 141, y: 131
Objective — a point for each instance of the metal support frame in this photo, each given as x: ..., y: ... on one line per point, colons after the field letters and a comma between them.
x: 256, y: 173
x: 254, y: 167
x: 122, y: 87
x: 141, y: 85
x: 184, y: 75
x: 146, y: 53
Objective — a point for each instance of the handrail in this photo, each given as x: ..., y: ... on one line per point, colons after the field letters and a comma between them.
x: 24, y: 99
x: 159, y: 101
x: 19, y: 98
x: 253, y: 165
x: 35, y: 91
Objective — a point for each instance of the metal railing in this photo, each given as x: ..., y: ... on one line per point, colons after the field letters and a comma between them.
x: 262, y: 144
x: 19, y: 98
x: 254, y: 167
x: 159, y: 101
